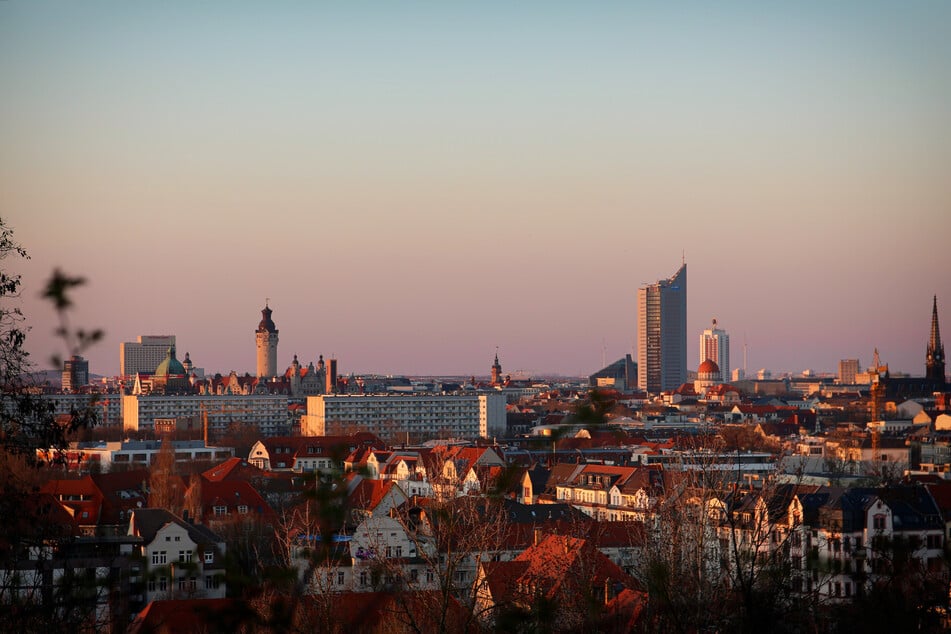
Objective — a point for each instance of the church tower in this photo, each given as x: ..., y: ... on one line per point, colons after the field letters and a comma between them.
x: 266, y: 337
x: 934, y: 361
x: 496, y: 370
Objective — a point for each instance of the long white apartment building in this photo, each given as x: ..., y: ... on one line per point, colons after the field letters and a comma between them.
x: 413, y: 416
x: 266, y: 413
x: 108, y: 407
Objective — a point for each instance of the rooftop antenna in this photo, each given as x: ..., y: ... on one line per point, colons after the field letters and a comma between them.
x: 603, y: 349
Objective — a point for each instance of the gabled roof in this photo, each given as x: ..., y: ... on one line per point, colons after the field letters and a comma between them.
x: 232, y: 469
x: 146, y: 523
x: 82, y: 497
x: 123, y: 492
x: 368, y: 493
x: 552, y: 567
x: 189, y: 615
x: 231, y: 494
x: 394, y: 613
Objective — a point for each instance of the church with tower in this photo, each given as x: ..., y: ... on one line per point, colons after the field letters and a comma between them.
x: 934, y: 357
x: 934, y: 381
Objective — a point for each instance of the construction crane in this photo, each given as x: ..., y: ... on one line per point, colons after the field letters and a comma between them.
x: 221, y: 408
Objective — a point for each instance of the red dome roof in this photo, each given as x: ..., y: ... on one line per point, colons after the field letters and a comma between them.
x: 708, y: 367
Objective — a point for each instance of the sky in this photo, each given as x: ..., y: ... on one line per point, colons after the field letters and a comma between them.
x: 414, y: 185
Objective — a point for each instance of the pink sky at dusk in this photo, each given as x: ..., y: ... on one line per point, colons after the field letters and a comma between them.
x: 413, y: 186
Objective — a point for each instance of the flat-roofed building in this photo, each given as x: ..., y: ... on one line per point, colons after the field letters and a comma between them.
x: 144, y: 355
x: 396, y: 417
x: 848, y: 371
x: 268, y: 414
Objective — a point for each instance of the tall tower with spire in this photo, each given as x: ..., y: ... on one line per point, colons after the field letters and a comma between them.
x: 934, y: 360
x: 496, y: 370
x: 266, y: 338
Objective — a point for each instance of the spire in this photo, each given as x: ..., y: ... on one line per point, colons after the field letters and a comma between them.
x: 934, y: 359
x: 935, y: 341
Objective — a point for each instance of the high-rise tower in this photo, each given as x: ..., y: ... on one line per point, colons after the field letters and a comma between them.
x: 934, y: 360
x: 662, y: 333
x: 266, y: 337
x: 715, y: 345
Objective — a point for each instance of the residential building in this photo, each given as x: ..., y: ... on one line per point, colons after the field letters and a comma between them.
x: 108, y: 407
x: 267, y: 413
x: 662, y: 334
x: 182, y: 560
x: 398, y: 417
x: 144, y: 355
x: 309, y: 453
x: 715, y: 346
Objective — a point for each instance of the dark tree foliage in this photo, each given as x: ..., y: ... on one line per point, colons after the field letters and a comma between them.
x: 27, y: 423
x: 31, y: 531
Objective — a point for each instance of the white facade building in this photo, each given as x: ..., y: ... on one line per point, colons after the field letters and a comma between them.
x: 107, y: 406
x: 267, y: 413
x: 141, y: 453
x: 417, y: 416
x: 182, y: 560
x: 715, y: 345
x: 144, y: 355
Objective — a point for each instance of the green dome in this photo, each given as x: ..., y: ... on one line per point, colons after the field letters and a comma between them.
x: 170, y: 365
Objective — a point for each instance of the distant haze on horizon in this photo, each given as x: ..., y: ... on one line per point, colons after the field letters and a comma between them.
x: 414, y: 185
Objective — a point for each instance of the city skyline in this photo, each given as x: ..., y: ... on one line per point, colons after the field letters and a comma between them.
x: 415, y: 187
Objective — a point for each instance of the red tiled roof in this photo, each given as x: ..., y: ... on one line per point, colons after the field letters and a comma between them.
x: 231, y: 494
x: 369, y: 493
x: 188, y: 615
x: 232, y: 469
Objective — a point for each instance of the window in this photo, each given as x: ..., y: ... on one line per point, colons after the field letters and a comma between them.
x: 430, y: 576
x: 220, y: 510
x: 414, y: 575
x: 878, y: 522
x: 178, y: 538
x: 209, y: 556
x: 242, y: 509
x: 162, y: 584
x: 211, y: 582
x: 184, y: 556
x: 151, y: 585
x: 340, y: 578
x: 159, y: 557
x: 363, y: 578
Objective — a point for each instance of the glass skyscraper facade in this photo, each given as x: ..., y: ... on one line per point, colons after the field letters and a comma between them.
x: 662, y: 333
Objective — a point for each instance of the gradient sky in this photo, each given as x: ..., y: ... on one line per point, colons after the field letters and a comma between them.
x: 414, y: 184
